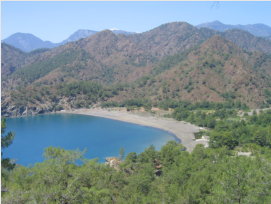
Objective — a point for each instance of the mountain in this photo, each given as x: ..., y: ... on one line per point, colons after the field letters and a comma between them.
x: 258, y: 29
x: 28, y: 42
x: 122, y: 54
x: 86, y: 33
x: 216, y: 70
x: 175, y: 60
x: 79, y: 34
x: 109, y: 58
x: 117, y: 31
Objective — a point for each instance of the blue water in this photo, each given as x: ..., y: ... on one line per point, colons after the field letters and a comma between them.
x: 102, y: 137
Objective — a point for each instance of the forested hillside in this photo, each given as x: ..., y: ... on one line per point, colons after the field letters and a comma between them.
x: 173, y: 61
x: 217, y: 70
x: 13, y: 58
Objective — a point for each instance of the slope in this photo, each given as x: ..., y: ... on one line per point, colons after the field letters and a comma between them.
x: 217, y: 70
x: 13, y: 59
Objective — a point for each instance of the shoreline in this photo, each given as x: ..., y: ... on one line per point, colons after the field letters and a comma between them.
x: 181, y: 130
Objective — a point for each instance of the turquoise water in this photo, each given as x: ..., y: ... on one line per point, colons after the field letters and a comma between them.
x: 102, y: 137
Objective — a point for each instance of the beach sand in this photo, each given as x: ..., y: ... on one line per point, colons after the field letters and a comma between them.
x: 182, y: 130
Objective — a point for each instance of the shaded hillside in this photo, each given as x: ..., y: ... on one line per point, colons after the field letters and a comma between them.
x: 247, y: 41
x: 13, y: 58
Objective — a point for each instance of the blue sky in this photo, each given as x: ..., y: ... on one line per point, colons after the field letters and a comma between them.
x: 56, y: 21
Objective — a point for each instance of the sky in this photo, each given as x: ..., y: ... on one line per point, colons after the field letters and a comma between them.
x: 55, y: 21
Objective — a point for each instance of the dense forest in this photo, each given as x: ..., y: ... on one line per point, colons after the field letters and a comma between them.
x: 204, y: 176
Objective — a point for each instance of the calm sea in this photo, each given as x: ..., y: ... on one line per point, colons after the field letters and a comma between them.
x: 102, y: 137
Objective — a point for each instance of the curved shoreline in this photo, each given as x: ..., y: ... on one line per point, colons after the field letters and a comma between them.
x: 181, y: 130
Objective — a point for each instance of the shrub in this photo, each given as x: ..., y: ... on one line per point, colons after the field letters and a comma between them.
x: 59, y: 107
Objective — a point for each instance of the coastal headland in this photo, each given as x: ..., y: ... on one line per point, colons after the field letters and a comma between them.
x: 182, y: 130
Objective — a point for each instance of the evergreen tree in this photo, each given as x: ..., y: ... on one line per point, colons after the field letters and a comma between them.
x: 6, y: 140
x: 121, y: 153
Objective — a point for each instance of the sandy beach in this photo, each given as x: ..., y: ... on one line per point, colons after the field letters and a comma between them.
x: 182, y: 130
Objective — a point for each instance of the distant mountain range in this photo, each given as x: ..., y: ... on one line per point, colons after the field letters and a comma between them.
x: 123, y: 54
x: 258, y: 29
x: 28, y: 42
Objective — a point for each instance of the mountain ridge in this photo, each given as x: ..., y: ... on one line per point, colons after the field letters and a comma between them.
x: 148, y: 48
x: 258, y: 29
x: 25, y: 44
x: 28, y: 42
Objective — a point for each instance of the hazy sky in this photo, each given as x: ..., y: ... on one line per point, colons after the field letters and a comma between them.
x: 56, y: 21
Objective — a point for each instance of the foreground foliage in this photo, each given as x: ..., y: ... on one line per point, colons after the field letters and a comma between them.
x: 204, y: 176
x: 6, y: 140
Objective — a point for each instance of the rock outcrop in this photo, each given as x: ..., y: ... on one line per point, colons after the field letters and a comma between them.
x: 113, y: 162
x: 10, y: 110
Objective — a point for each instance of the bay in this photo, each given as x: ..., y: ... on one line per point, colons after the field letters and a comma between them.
x: 101, y: 136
